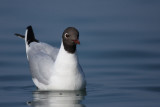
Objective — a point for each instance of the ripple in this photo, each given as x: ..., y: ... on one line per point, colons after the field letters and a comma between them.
x: 146, y: 88
x: 6, y: 78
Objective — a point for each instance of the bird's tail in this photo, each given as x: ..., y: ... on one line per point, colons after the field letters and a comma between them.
x: 29, y: 35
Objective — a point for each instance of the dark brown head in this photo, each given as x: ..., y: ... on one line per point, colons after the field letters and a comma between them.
x: 70, y: 38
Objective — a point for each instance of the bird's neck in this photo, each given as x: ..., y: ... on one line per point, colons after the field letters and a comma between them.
x: 66, y: 59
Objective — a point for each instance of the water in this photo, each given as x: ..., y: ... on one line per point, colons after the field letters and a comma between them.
x: 119, y: 51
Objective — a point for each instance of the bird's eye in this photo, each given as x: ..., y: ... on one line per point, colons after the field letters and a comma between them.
x: 66, y: 35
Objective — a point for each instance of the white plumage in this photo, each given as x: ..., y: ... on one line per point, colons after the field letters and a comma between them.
x: 52, y: 68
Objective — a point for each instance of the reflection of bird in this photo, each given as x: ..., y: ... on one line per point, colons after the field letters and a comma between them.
x: 52, y: 68
x: 57, y: 99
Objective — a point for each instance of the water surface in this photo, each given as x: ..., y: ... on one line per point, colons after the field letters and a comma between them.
x: 119, y: 51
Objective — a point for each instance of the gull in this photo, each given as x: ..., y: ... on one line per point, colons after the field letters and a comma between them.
x: 52, y: 68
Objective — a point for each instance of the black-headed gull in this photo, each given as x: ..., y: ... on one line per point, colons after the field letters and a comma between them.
x: 53, y: 68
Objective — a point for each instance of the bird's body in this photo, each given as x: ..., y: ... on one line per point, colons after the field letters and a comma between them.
x: 53, y: 68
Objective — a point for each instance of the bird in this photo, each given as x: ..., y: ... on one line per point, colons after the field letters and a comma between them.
x: 52, y: 68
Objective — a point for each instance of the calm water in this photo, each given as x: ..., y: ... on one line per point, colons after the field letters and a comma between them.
x: 119, y: 51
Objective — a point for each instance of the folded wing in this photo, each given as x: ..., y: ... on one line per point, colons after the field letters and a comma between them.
x: 41, y: 59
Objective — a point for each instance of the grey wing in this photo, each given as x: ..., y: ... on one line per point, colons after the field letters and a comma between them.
x: 41, y: 59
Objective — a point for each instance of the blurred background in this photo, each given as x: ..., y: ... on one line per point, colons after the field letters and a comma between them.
x: 119, y: 49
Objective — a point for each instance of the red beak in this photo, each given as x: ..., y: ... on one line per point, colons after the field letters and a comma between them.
x: 76, y: 41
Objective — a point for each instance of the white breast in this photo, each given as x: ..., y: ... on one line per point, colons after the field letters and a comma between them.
x: 67, y: 74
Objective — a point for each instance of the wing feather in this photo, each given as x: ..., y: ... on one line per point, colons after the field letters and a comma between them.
x: 41, y: 59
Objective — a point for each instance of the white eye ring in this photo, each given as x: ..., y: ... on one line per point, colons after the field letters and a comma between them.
x: 66, y: 35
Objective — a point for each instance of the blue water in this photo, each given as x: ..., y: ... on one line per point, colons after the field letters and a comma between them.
x: 119, y: 51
